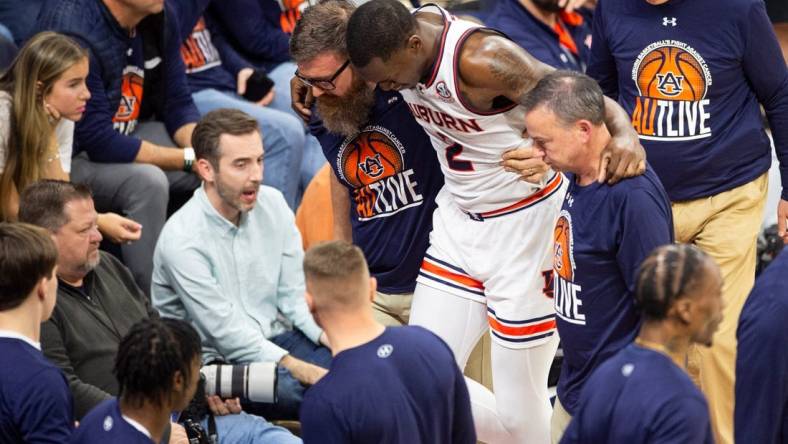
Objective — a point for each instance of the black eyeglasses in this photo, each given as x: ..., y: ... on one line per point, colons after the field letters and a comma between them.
x: 324, y: 84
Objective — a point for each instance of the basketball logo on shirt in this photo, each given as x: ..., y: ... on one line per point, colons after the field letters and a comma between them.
x: 198, y: 52
x: 373, y: 163
x: 566, y: 294
x: 125, y: 119
x: 673, y: 81
x: 108, y: 423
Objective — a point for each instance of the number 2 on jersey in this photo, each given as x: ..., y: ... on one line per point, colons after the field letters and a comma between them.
x: 452, y: 152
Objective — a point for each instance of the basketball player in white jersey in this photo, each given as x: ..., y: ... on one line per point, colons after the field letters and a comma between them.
x: 489, y: 261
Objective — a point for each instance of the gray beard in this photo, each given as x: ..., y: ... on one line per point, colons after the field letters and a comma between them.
x: 345, y: 115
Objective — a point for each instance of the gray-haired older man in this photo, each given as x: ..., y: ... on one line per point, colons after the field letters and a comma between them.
x: 602, y: 235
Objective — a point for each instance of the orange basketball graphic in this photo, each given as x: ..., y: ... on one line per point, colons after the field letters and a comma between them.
x: 671, y: 73
x: 562, y: 250
x: 370, y: 157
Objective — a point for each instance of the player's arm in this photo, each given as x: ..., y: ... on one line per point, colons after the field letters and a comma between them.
x: 497, y: 67
x: 340, y: 204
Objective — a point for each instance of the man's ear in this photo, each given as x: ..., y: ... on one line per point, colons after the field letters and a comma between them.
x: 683, y: 309
x: 373, y: 288
x: 415, y: 43
x: 205, y: 170
x: 584, y: 129
x: 310, y: 301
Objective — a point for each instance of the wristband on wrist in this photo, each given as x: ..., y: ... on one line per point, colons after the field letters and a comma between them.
x: 188, y: 159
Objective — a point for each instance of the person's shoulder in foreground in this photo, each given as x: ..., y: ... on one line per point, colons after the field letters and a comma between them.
x: 35, y: 402
x: 402, y: 387
x: 106, y: 424
x: 640, y: 395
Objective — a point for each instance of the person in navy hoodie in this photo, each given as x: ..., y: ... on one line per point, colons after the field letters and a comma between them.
x: 559, y: 38
x: 140, y: 109
x: 693, y: 76
x: 643, y: 393
x: 761, y: 412
x: 158, y: 369
x: 35, y: 402
x: 602, y: 235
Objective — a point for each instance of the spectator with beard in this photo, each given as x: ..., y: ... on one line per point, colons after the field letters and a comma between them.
x: 229, y: 261
x: 374, y: 147
x: 557, y: 37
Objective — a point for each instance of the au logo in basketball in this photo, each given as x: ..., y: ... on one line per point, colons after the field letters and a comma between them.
x: 373, y: 163
x: 125, y: 119
x: 566, y: 292
x: 673, y: 82
x: 563, y: 260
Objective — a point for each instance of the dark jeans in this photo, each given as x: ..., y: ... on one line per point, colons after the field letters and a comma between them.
x: 290, y: 392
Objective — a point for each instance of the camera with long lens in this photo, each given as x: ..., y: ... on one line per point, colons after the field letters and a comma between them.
x: 254, y: 382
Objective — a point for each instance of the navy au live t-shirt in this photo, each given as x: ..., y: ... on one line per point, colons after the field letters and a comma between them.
x: 602, y: 235
x: 105, y: 424
x: 393, y: 176
x: 692, y: 75
x: 35, y: 401
x: 402, y: 387
x: 640, y: 396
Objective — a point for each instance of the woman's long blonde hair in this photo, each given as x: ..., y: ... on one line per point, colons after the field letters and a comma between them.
x: 41, y: 62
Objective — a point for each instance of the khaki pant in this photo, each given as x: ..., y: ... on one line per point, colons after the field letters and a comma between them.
x: 726, y: 227
x: 393, y: 310
x: 558, y: 422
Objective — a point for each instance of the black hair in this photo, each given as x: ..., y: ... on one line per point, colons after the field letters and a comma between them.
x: 665, y: 276
x: 378, y: 28
x: 149, y: 356
x: 44, y: 203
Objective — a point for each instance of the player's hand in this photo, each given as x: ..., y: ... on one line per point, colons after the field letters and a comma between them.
x: 301, y: 98
x: 570, y: 5
x: 304, y: 372
x: 220, y: 407
x: 526, y: 162
x: 623, y: 157
x: 782, y: 220
x: 119, y: 229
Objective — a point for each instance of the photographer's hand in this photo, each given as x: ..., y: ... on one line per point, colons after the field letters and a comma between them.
x: 304, y: 372
x: 220, y: 407
x: 178, y: 434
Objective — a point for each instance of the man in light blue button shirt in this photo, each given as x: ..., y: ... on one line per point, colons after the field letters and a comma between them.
x: 230, y: 262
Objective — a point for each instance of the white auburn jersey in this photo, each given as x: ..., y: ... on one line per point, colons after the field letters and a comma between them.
x: 469, y: 142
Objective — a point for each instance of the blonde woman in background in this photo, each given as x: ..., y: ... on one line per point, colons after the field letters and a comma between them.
x: 42, y: 94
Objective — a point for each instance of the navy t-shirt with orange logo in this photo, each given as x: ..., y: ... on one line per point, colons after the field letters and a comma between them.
x: 393, y: 176
x: 691, y: 74
x: 601, y: 237
x: 128, y: 113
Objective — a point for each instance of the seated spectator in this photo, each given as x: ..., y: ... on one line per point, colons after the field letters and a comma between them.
x: 643, y: 394
x: 140, y: 108
x: 41, y: 96
x: 98, y: 303
x: 158, y: 369
x: 229, y: 261
x: 255, y: 28
x: 218, y: 78
x: 603, y: 232
x: 36, y: 403
x: 386, y: 384
x: 552, y: 35
x: 761, y: 409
